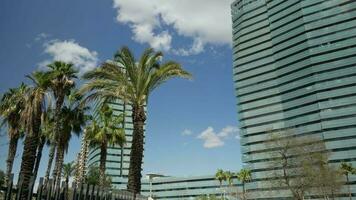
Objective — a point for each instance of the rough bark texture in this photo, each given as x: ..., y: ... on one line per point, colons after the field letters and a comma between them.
x: 136, y: 155
x: 77, y: 170
x: 50, y: 161
x: 57, y: 130
x: 14, y: 137
x: 58, y: 166
x: 102, y: 167
x: 243, y: 191
x: 29, y: 156
x: 39, y: 156
x: 67, y: 188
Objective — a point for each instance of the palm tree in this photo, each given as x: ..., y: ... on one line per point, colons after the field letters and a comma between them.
x: 35, y: 105
x: 67, y: 172
x: 244, y: 176
x: 11, y: 106
x: 105, y: 132
x: 229, y: 177
x: 132, y: 81
x: 72, y: 119
x: 220, y: 176
x: 93, y: 177
x: 347, y: 169
x: 61, y: 75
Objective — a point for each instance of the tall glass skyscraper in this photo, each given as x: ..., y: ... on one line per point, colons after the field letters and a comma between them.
x: 294, y: 68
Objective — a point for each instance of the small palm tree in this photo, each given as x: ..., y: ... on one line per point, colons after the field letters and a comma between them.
x: 11, y: 106
x: 229, y: 177
x: 220, y: 176
x: 68, y: 171
x: 93, y: 177
x: 244, y: 176
x: 105, y: 132
x: 347, y: 169
x: 35, y: 105
x: 133, y: 81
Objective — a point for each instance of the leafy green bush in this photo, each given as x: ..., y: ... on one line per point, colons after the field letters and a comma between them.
x: 93, y: 177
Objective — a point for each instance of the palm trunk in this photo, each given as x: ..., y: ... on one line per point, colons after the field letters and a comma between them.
x: 39, y: 156
x: 67, y: 188
x: 29, y: 156
x: 59, y: 102
x: 221, y: 195
x: 58, y: 166
x: 56, y: 161
x: 57, y: 116
x: 243, y: 191
x: 14, y: 137
x: 50, y: 161
x: 136, y: 155
x: 102, y: 167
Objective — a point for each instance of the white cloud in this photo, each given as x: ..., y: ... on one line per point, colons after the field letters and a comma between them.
x: 196, y: 48
x: 204, y: 21
x: 212, y: 139
x: 228, y: 130
x: 42, y: 36
x: 187, y: 132
x: 144, y: 34
x: 72, y: 52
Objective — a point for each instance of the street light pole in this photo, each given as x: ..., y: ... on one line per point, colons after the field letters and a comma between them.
x: 151, y: 187
x: 150, y: 178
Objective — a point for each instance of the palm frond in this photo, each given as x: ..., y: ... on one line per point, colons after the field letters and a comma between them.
x: 126, y: 59
x: 167, y: 71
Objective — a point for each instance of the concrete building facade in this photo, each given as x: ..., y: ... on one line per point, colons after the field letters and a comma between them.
x: 189, y: 188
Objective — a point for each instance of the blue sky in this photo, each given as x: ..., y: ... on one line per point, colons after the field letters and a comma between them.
x: 192, y: 125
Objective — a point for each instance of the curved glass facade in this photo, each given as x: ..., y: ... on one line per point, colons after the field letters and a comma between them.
x: 294, y: 65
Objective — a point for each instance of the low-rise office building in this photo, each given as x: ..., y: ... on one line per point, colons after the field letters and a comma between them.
x: 188, y: 188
